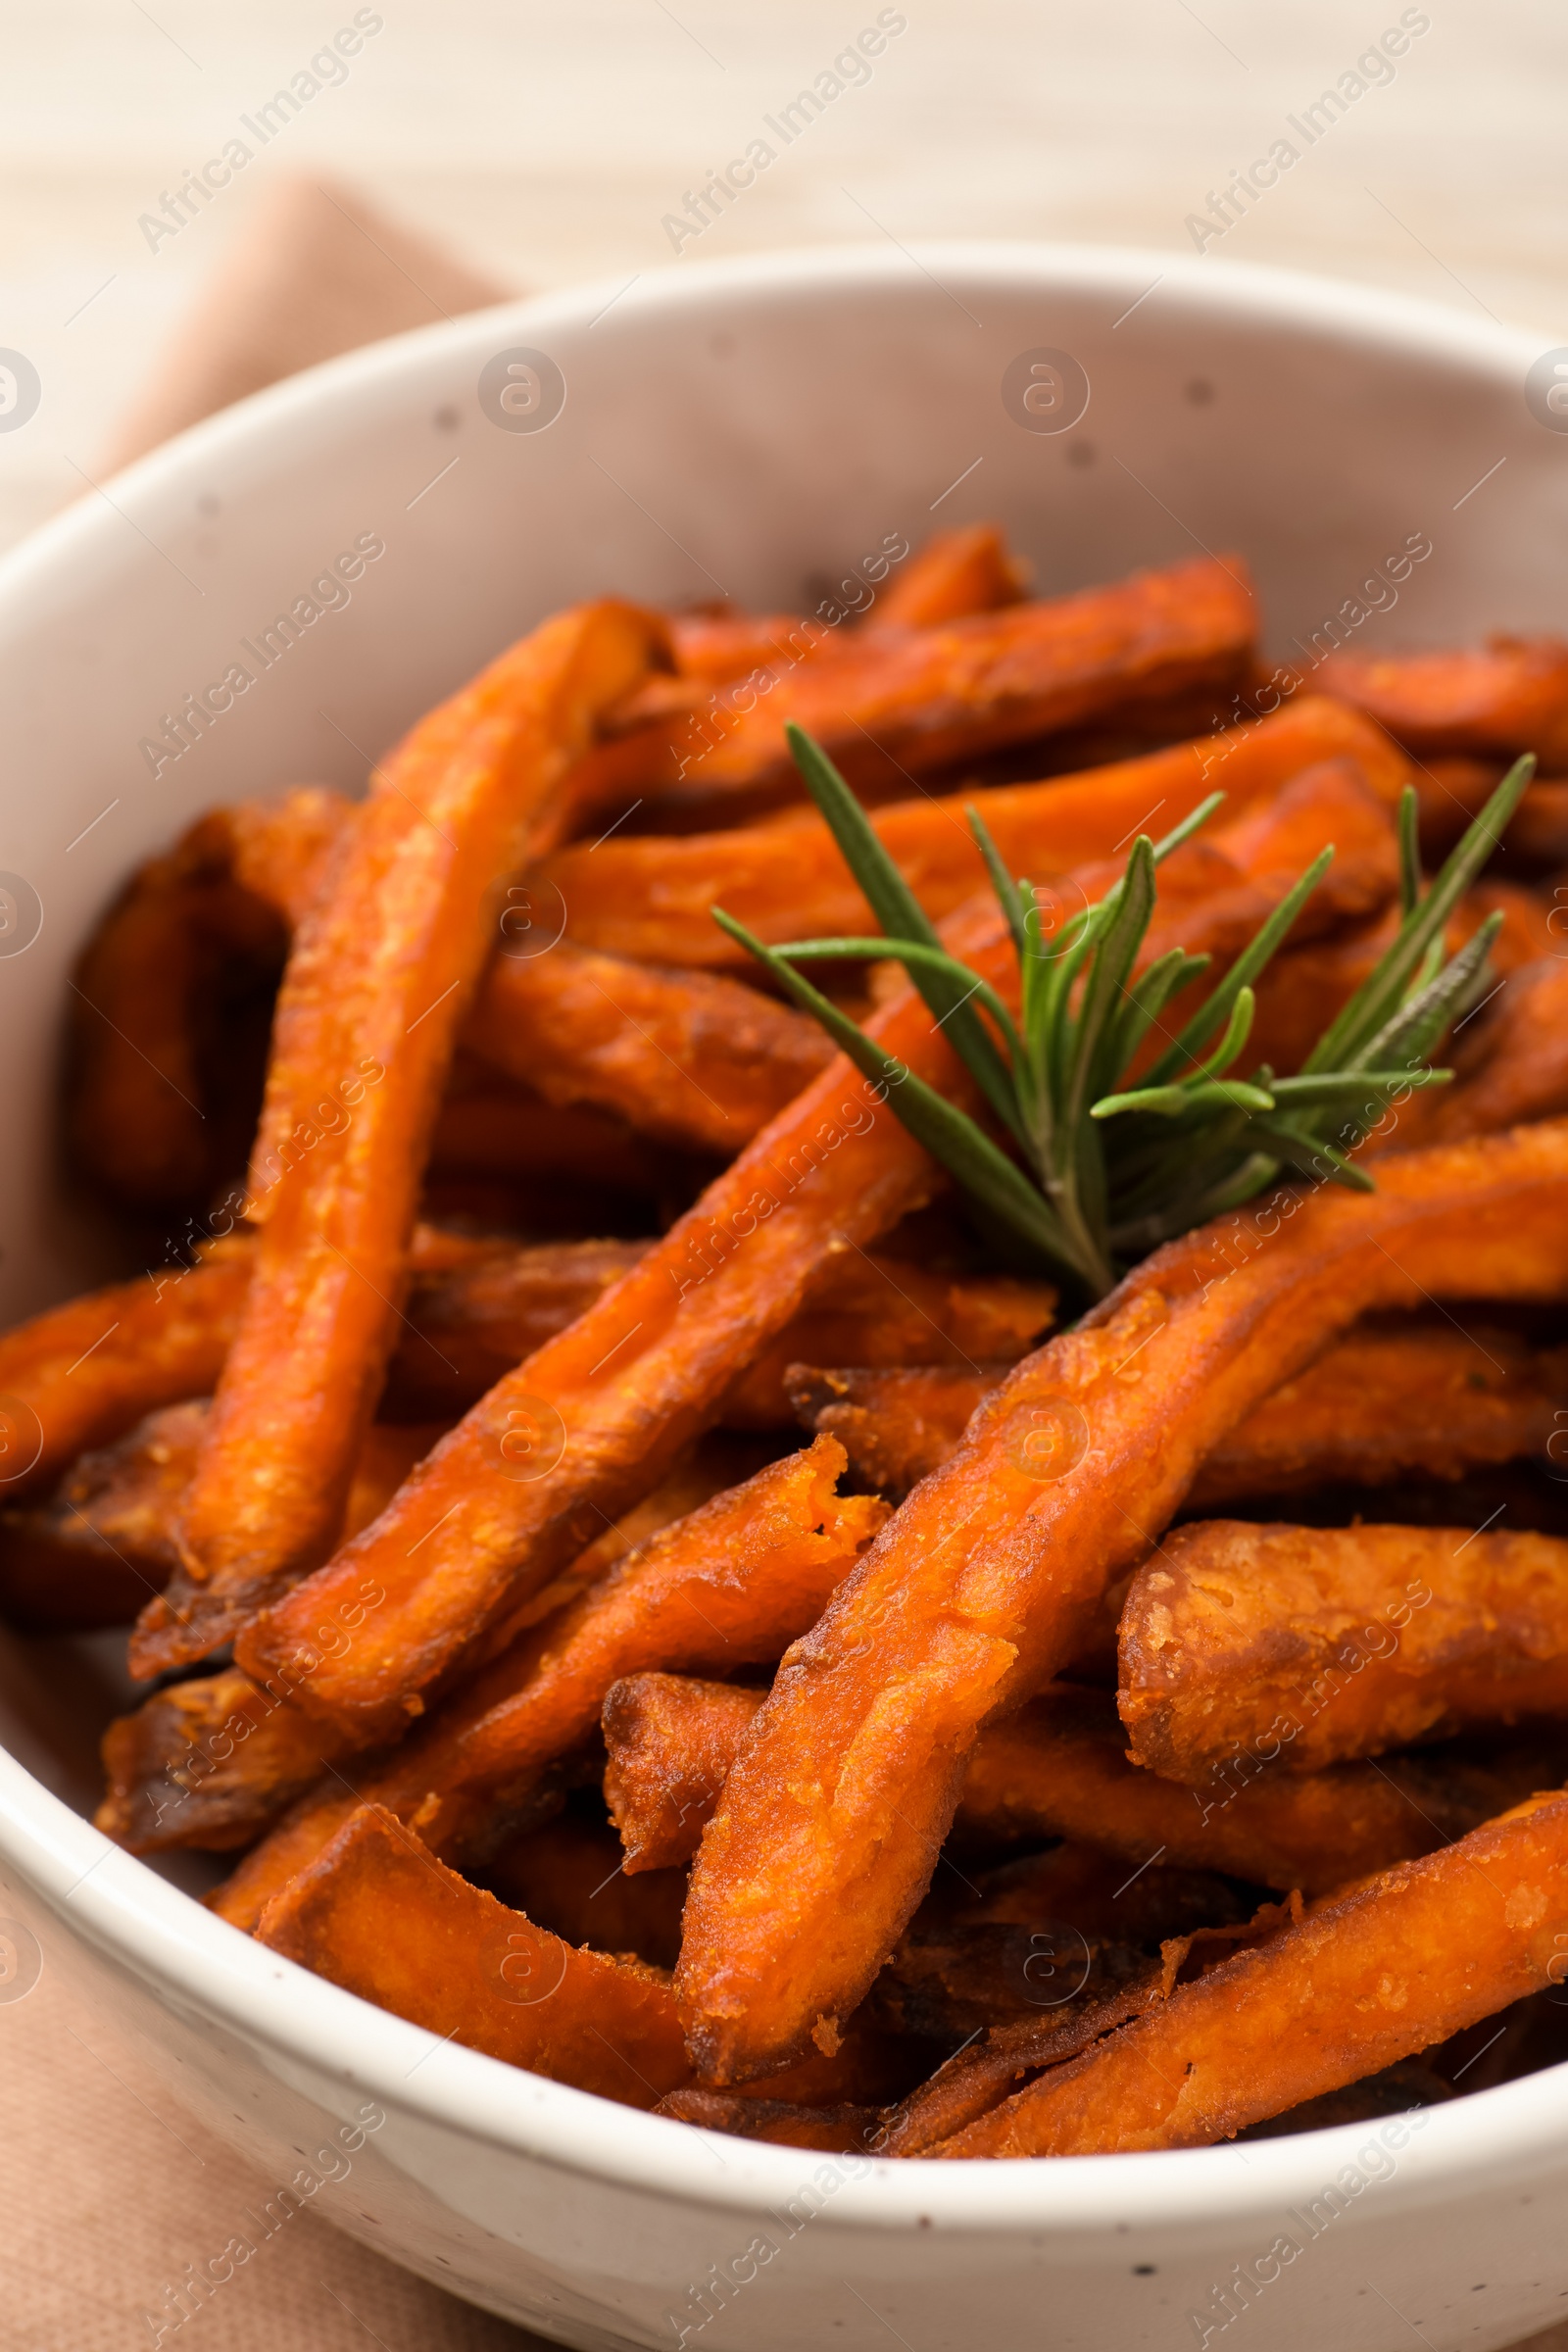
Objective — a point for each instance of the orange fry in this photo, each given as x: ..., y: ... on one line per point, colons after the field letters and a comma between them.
x: 84, y: 1373
x: 1058, y: 1769
x: 1310, y: 1644
x: 955, y: 573
x: 895, y: 1425
x: 1064, y: 1477
x: 731, y: 1583
x: 671, y: 1740
x: 1509, y: 696
x: 380, y: 975
x: 1444, y: 1941
x: 1388, y: 1399
x: 690, y: 1056
x: 589, y: 1422
x: 184, y: 1769
x: 883, y: 1310
x: 652, y: 898
x: 1511, y: 1065
x: 380, y: 1916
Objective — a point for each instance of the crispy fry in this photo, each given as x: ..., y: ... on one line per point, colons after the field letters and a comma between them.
x: 732, y: 1584
x: 955, y: 573
x: 380, y: 1916
x: 84, y: 1373
x: 1058, y: 1769
x: 1392, y: 1399
x: 652, y: 898
x: 1316, y: 1643
x: 896, y: 1425
x: 588, y: 1423
x: 801, y: 1888
x: 882, y: 1310
x: 378, y: 980
x: 1445, y: 1940
x: 183, y: 1770
x: 671, y: 1740
x: 259, y: 1783
x: 90, y: 1556
x: 1511, y: 1065
x: 689, y: 1057
x: 886, y: 706
x: 1509, y: 696
x: 96, y: 1551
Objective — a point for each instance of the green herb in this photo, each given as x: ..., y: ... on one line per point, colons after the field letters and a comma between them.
x: 1088, y: 1172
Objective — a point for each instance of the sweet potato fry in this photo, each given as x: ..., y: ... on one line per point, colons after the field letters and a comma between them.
x: 1392, y: 1399
x: 1510, y: 1065
x: 1445, y: 1940
x: 93, y: 1552
x: 588, y: 1423
x: 889, y: 705
x: 732, y: 1584
x: 895, y: 1425
x: 146, y: 1751
x: 184, y: 1769
x: 652, y: 898
x: 380, y: 1916
x: 883, y: 1310
x: 1071, y: 1469
x: 84, y: 1373
x: 955, y: 573
x: 1310, y: 1645
x: 690, y: 1056
x: 671, y: 1740
x: 1512, y: 696
x: 96, y: 1552
x: 1058, y: 1769
x: 378, y: 980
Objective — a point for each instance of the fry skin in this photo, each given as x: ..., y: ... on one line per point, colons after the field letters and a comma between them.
x: 84, y: 1373
x: 1316, y: 1643
x: 690, y: 1057
x: 1066, y: 1474
x: 889, y: 705
x: 1388, y: 1399
x: 589, y: 1422
x: 380, y: 1916
x: 1509, y: 696
x: 1058, y: 1769
x: 731, y: 1583
x: 1511, y: 1067
x: 378, y: 980
x: 1382, y: 1972
x: 652, y: 898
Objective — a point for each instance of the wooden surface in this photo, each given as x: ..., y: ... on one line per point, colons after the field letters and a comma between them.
x: 543, y: 144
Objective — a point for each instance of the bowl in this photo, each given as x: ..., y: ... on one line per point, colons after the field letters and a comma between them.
x: 755, y: 430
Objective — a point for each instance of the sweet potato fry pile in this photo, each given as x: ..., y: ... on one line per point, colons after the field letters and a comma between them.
x: 960, y: 1782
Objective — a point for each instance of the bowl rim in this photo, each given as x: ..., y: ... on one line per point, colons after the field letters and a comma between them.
x: 200, y: 1965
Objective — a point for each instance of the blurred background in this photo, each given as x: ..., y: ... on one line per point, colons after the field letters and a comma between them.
x: 538, y: 144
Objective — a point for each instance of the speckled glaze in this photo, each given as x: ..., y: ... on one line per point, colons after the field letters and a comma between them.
x: 754, y: 429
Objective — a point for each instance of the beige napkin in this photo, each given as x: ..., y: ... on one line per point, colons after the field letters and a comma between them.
x: 109, y: 2188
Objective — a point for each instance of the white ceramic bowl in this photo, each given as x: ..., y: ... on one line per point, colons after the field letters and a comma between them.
x: 750, y: 428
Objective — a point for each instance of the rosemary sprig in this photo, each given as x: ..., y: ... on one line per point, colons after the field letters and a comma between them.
x: 1086, y: 1172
